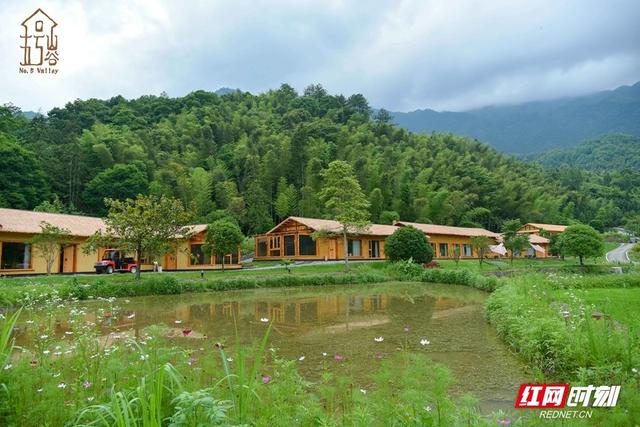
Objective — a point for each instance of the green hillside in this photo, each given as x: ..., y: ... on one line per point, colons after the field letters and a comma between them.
x: 610, y: 152
x: 535, y: 127
x: 257, y: 158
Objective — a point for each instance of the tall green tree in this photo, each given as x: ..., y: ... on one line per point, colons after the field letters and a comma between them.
x: 119, y: 183
x: 23, y: 183
x: 480, y: 245
x: 582, y: 241
x: 146, y: 225
x: 345, y: 201
x: 286, y: 200
x: 223, y: 237
x: 514, y: 241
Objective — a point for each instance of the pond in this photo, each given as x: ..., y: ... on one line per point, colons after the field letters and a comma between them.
x: 361, y: 323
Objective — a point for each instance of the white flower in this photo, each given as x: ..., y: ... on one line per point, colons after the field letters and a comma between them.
x: 324, y: 353
x: 301, y: 358
x: 144, y: 357
x: 229, y: 359
x: 57, y: 353
x: 46, y: 352
x: 90, y: 398
x: 69, y: 332
x: 39, y: 390
x: 634, y: 370
x: 264, y: 320
x: 131, y: 316
x: 29, y: 322
x: 8, y: 366
x: 56, y: 375
x: 62, y: 385
x: 363, y: 391
x: 424, y: 341
x: 427, y: 408
x: 177, y: 322
x: 44, y: 337
x: 378, y: 339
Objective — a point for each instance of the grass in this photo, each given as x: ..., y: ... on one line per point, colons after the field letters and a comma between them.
x: 621, y: 304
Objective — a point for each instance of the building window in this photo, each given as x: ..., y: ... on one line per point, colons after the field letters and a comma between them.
x: 15, y: 256
x: 374, y: 249
x: 467, y: 251
x: 306, y: 245
x: 227, y: 259
x: 289, y: 245
x: 262, y: 248
x: 353, y: 248
x: 198, y: 256
x: 444, y: 249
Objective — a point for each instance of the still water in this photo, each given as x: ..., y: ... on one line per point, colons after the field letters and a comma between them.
x: 344, y: 320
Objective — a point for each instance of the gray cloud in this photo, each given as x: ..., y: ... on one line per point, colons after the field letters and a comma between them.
x: 400, y: 55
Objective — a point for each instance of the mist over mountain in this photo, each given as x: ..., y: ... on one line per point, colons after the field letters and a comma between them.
x: 535, y: 127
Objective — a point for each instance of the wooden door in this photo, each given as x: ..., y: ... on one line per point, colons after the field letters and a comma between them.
x: 333, y: 249
x: 69, y: 259
x: 170, y: 262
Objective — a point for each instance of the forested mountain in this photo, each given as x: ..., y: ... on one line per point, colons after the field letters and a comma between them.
x: 610, y: 152
x: 535, y: 127
x: 257, y: 159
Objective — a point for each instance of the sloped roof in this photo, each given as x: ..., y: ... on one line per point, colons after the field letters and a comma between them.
x: 332, y: 226
x: 548, y: 227
x: 432, y: 229
x: 19, y: 221
x: 533, y: 239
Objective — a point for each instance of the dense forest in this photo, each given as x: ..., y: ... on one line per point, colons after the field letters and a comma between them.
x: 534, y: 127
x: 257, y: 159
x: 616, y: 151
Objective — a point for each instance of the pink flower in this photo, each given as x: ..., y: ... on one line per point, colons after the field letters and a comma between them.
x: 266, y: 379
x: 504, y: 422
x: 86, y: 384
x: 379, y: 356
x: 191, y: 361
x: 338, y: 357
x: 186, y: 331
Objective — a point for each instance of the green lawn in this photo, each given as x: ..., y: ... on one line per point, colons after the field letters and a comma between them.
x: 621, y: 304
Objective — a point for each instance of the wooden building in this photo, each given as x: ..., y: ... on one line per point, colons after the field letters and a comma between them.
x: 17, y: 255
x: 292, y: 239
x: 536, y: 228
x: 445, y: 239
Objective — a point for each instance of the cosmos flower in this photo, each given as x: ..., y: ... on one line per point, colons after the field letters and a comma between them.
x: 378, y: 339
x: 177, y: 322
x: 144, y: 357
x: 44, y: 337
x: 363, y: 391
x: 338, y: 357
x: 406, y: 329
x: 324, y: 354
x: 504, y: 422
x: 62, y: 386
x: 86, y: 384
x: 301, y: 358
x: 131, y: 316
x: 264, y: 320
x: 229, y: 359
x: 424, y: 341
x: 379, y: 356
x: 8, y: 366
x: 266, y: 379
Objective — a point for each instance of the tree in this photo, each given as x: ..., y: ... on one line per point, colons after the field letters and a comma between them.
x: 223, y: 237
x: 119, y: 182
x: 377, y: 204
x: 23, y: 183
x: 49, y: 242
x: 389, y: 217
x: 286, y: 199
x: 408, y: 243
x: 146, y: 225
x: 480, y: 244
x: 513, y: 240
x: 582, y: 241
x: 345, y: 201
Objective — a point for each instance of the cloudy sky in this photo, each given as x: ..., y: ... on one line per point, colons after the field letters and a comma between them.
x: 402, y: 55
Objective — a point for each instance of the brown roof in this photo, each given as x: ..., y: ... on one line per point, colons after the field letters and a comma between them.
x: 547, y: 227
x: 19, y: 221
x: 533, y: 238
x: 332, y: 226
x: 431, y: 229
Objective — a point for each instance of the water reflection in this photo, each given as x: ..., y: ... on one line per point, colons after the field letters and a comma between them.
x: 333, y: 320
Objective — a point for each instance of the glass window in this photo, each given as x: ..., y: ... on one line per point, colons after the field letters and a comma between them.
x: 198, y: 256
x: 307, y: 245
x: 289, y: 245
x: 467, y: 250
x: 234, y: 258
x: 262, y: 248
x: 374, y: 249
x: 353, y: 248
x: 15, y: 256
x: 444, y: 249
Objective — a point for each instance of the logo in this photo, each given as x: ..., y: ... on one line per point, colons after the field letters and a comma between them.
x: 39, y: 44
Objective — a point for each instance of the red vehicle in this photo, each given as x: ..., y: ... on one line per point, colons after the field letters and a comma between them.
x: 115, y: 260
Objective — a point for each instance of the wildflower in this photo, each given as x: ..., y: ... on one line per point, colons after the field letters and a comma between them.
x: 428, y: 408
x: 264, y: 320
x: 8, y: 366
x: 46, y: 352
x: 86, y: 384
x: 378, y: 339
x: 39, y: 390
x: 177, y: 322
x: 62, y: 386
x: 131, y: 316
x: 338, y: 357
x: 504, y: 422
x: 424, y: 341
x: 266, y: 379
x: 324, y: 354
x: 57, y: 353
x: 379, y: 356
x: 186, y: 331
x: 363, y: 391
x: 44, y: 337
x: 634, y: 370
x: 68, y: 332
x: 406, y: 329
x: 144, y: 357
x: 191, y: 361
x: 301, y: 358
x: 90, y: 398
x: 229, y: 359
x: 56, y: 375
x: 29, y: 322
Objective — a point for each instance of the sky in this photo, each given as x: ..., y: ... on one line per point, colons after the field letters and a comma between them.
x: 401, y: 55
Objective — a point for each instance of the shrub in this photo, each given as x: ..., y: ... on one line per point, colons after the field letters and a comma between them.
x: 408, y: 243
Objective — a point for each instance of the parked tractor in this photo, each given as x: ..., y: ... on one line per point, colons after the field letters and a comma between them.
x: 115, y: 260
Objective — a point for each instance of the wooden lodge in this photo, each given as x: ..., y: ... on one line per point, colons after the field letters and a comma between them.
x: 292, y: 239
x: 536, y: 228
x: 18, y: 256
